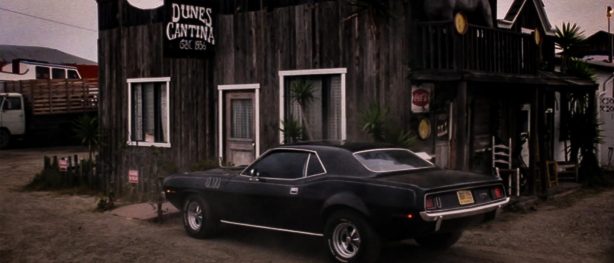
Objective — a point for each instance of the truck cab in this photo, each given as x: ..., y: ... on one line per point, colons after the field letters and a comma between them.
x: 12, y: 117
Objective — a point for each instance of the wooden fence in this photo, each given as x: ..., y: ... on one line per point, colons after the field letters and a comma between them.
x: 57, y: 96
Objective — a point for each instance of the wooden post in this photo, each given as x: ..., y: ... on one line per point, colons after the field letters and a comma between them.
x: 461, y: 135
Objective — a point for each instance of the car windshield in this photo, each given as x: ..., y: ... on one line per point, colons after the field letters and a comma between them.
x: 391, y: 160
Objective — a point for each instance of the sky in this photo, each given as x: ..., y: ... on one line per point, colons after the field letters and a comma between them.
x: 19, y: 29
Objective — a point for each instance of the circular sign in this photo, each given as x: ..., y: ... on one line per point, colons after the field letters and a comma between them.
x: 460, y: 23
x: 420, y: 97
x: 424, y: 129
x: 146, y: 4
x: 537, y: 36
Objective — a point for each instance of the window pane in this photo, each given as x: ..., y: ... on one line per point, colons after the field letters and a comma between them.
x: 137, y: 112
x: 314, y: 167
x: 148, y: 112
x: 282, y: 164
x: 391, y: 160
x: 42, y: 73
x: 242, y: 115
x: 58, y: 73
x: 72, y: 74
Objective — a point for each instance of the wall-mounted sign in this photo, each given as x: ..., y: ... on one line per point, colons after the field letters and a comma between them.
x: 188, y: 30
x: 133, y: 176
x: 421, y: 98
x: 442, y: 126
x: 63, y: 165
x: 460, y: 23
x: 424, y: 129
x: 146, y: 4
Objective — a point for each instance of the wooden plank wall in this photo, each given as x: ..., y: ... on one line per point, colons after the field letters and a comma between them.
x: 254, y: 46
x: 137, y: 52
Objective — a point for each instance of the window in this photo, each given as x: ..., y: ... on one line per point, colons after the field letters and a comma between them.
x: 321, y: 116
x: 11, y: 103
x: 314, y: 167
x: 148, y: 114
x: 58, y: 73
x: 73, y: 74
x: 42, y: 72
x: 391, y: 160
x: 281, y: 165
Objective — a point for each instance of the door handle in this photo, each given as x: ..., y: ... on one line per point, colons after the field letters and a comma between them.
x: 293, y: 190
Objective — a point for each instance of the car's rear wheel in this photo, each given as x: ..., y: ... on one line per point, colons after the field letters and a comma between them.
x: 439, y: 240
x: 350, y: 238
x: 198, y: 219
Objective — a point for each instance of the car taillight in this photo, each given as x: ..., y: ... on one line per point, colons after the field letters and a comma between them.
x: 429, y: 202
x: 498, y: 192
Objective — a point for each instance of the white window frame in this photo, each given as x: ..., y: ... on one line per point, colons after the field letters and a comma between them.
x: 311, y: 72
x: 220, y: 102
x: 167, y: 136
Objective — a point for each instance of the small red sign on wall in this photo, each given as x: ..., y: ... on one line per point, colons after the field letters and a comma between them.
x: 133, y: 176
x: 421, y: 98
x: 63, y: 165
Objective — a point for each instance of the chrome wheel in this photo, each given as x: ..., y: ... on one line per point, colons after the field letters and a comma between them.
x: 346, y: 239
x: 194, y: 216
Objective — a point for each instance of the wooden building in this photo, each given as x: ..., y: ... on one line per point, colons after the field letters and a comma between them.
x: 164, y: 108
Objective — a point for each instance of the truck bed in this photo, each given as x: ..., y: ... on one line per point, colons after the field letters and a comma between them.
x: 57, y: 96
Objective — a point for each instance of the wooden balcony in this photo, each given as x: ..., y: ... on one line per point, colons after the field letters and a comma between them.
x: 438, y: 47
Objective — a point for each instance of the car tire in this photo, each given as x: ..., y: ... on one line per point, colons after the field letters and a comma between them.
x: 5, y: 138
x: 199, y: 220
x: 351, y: 238
x: 439, y: 240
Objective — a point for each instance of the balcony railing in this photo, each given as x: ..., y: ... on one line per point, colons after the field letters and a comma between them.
x: 489, y: 50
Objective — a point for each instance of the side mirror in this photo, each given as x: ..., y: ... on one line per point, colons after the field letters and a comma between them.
x: 254, y: 175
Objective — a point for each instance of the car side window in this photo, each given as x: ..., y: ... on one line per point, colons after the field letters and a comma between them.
x: 315, y: 166
x: 282, y: 165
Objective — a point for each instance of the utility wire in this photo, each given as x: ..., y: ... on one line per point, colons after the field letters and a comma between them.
x: 48, y: 20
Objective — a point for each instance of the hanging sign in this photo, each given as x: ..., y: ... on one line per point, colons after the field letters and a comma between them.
x: 133, y: 176
x: 188, y: 28
x: 146, y: 4
x: 421, y: 98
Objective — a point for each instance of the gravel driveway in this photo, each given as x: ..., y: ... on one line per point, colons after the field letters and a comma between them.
x: 44, y: 226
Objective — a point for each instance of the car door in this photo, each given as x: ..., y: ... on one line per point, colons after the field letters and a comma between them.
x: 13, y: 116
x: 268, y: 190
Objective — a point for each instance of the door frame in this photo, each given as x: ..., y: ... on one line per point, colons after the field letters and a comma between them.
x: 221, y: 89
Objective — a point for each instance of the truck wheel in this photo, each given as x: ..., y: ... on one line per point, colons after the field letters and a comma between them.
x: 199, y: 221
x: 439, y: 240
x: 350, y: 238
x: 5, y: 138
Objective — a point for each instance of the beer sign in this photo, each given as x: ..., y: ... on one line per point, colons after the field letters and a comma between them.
x: 421, y: 98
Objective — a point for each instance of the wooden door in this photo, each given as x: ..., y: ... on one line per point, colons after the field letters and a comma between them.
x: 239, y: 132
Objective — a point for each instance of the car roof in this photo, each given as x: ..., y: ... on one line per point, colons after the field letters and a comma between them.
x: 339, y: 145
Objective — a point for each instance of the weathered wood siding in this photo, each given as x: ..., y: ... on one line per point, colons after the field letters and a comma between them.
x: 137, y: 52
x: 253, y: 47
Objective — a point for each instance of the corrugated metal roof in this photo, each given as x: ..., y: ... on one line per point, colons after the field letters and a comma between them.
x: 50, y: 55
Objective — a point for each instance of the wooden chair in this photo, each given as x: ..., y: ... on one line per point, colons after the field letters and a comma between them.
x: 502, y: 165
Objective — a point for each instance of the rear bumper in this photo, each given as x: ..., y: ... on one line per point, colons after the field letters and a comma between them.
x: 438, y: 217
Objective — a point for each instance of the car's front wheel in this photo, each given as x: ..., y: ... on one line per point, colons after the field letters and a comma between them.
x: 198, y: 219
x: 5, y: 138
x: 439, y: 240
x: 350, y: 238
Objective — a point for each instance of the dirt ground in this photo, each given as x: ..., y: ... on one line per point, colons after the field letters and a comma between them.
x: 44, y: 226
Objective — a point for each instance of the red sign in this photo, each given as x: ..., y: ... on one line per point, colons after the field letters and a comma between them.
x: 133, y: 176
x: 63, y: 165
x: 420, y: 97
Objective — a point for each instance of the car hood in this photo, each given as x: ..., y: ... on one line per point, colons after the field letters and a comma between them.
x: 437, y: 178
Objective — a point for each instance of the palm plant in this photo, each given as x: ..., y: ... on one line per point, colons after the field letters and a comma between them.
x: 86, y: 130
x: 302, y: 92
x: 293, y: 131
x: 568, y: 37
x: 373, y: 120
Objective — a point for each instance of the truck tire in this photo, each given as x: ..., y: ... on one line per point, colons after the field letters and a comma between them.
x: 5, y: 138
x: 199, y: 220
x: 351, y: 238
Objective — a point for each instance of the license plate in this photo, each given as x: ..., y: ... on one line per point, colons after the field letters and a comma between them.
x: 465, y: 197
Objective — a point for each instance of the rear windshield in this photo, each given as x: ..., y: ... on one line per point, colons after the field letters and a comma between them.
x: 391, y: 160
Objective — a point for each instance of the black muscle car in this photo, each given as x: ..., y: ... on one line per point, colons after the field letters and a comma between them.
x: 354, y: 195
